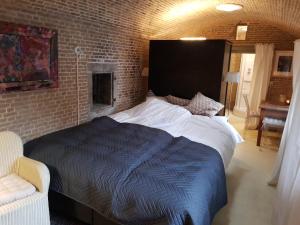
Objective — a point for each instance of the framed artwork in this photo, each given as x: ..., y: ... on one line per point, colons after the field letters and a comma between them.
x: 28, y: 58
x: 283, y: 63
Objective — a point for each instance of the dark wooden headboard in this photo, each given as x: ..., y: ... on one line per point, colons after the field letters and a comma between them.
x: 183, y: 68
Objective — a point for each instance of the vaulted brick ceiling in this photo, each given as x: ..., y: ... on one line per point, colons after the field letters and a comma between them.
x: 156, y: 18
x: 170, y: 16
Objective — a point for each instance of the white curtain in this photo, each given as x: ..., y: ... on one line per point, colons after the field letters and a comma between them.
x: 261, y: 77
x: 287, y: 168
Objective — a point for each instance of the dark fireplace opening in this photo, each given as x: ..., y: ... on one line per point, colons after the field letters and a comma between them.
x: 102, y: 88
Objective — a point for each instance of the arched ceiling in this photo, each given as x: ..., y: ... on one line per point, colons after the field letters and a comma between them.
x: 156, y: 18
x: 163, y: 16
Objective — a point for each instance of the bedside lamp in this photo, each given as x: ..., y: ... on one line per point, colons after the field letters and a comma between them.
x: 231, y: 77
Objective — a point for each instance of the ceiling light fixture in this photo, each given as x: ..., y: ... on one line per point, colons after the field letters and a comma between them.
x: 193, y: 38
x: 229, y: 7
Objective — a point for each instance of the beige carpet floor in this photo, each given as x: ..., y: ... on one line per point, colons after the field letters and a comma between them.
x: 250, y: 198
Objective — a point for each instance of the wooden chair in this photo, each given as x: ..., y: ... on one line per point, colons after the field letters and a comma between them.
x: 250, y: 114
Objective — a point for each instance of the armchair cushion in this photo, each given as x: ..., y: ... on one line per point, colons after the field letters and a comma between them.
x: 13, y: 187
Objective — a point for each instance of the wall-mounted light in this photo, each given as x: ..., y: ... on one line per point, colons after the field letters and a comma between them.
x: 229, y: 7
x: 78, y: 51
x: 145, y: 72
x: 241, y: 32
x: 193, y: 38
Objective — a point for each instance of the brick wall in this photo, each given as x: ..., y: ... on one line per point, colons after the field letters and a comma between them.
x: 280, y: 86
x: 258, y: 32
x: 103, y: 39
x: 107, y: 31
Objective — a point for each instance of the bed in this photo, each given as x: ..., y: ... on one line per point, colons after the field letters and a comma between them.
x: 154, y: 164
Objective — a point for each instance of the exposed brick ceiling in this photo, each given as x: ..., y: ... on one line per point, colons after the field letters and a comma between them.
x: 168, y: 16
x: 160, y: 18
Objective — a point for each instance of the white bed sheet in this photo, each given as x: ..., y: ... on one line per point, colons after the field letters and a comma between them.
x: 215, y: 132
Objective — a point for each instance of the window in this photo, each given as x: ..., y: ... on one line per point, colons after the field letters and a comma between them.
x: 241, y: 32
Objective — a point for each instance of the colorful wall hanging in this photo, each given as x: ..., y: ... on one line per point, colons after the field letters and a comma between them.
x: 28, y: 58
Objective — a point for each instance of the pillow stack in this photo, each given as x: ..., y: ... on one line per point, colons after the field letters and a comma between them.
x: 199, y: 105
x: 177, y: 101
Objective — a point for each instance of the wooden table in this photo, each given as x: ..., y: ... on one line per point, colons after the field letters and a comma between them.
x: 271, y: 110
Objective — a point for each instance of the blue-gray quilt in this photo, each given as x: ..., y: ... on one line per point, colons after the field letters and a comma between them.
x: 134, y: 174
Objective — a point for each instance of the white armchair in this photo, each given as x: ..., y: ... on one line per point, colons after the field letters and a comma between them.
x: 31, y: 210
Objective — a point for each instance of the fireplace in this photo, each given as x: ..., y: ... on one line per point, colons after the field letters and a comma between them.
x: 102, y: 88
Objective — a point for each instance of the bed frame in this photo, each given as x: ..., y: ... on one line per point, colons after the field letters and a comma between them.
x: 68, y: 207
x: 176, y: 68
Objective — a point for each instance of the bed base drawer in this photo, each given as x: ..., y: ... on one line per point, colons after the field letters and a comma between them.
x: 68, y: 207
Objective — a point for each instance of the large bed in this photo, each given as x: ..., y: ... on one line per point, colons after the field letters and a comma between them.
x: 154, y: 164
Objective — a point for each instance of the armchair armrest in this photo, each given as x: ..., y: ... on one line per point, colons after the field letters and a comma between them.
x: 34, y: 172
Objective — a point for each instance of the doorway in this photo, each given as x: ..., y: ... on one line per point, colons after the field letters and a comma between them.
x: 246, y: 70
